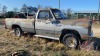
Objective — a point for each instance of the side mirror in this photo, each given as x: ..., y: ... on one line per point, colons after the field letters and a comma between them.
x: 56, y: 22
x: 48, y: 21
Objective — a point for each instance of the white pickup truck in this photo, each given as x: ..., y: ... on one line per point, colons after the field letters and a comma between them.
x: 51, y: 23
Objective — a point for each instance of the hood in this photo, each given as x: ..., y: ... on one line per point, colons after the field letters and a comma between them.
x: 76, y: 22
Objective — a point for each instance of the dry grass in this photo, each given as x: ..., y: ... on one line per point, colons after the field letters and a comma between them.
x: 40, y: 47
x: 10, y: 43
x: 37, y: 46
x: 1, y: 21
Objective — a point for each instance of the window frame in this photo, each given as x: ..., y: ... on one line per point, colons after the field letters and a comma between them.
x: 50, y: 14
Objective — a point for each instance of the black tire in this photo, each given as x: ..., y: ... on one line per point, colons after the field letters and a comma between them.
x: 68, y: 38
x: 18, y: 32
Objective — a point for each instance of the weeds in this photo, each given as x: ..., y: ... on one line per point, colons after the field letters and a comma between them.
x: 37, y: 46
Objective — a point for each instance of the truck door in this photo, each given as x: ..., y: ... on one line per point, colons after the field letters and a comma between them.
x: 43, y: 23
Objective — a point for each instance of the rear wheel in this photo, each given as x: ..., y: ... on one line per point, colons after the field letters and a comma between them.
x: 18, y: 32
x: 71, y: 41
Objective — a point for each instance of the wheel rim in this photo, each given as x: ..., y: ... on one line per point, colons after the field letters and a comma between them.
x: 71, y: 42
x: 17, y: 32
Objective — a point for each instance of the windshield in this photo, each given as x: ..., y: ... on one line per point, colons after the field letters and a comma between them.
x: 58, y: 14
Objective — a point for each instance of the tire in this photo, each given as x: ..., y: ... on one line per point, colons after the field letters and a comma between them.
x: 71, y: 41
x: 18, y: 32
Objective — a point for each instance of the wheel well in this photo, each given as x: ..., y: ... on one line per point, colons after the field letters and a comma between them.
x: 15, y: 26
x: 65, y: 31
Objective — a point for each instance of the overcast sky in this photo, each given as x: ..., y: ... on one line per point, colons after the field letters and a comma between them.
x: 76, y: 5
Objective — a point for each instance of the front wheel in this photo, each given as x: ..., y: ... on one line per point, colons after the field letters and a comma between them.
x: 71, y: 41
x: 18, y: 32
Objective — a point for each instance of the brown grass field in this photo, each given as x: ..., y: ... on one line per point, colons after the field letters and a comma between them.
x: 40, y: 47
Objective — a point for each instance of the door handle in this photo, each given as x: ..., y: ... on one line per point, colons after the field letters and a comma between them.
x: 48, y: 22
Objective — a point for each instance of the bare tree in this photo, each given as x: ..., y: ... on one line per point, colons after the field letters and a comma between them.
x: 69, y: 13
x: 32, y: 10
x: 47, y: 7
x: 24, y: 8
x: 4, y: 9
x: 39, y: 6
x: 64, y: 12
x: 15, y: 10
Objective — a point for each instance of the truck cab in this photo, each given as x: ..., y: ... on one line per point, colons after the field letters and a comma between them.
x: 48, y: 21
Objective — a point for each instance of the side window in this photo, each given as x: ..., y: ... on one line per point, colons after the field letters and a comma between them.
x: 44, y: 15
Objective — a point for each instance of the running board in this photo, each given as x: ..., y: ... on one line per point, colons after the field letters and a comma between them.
x: 54, y: 38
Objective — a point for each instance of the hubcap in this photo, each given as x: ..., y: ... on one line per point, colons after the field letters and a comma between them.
x: 71, y: 42
x: 17, y: 32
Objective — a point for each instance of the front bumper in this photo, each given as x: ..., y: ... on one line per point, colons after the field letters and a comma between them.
x: 86, y: 36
